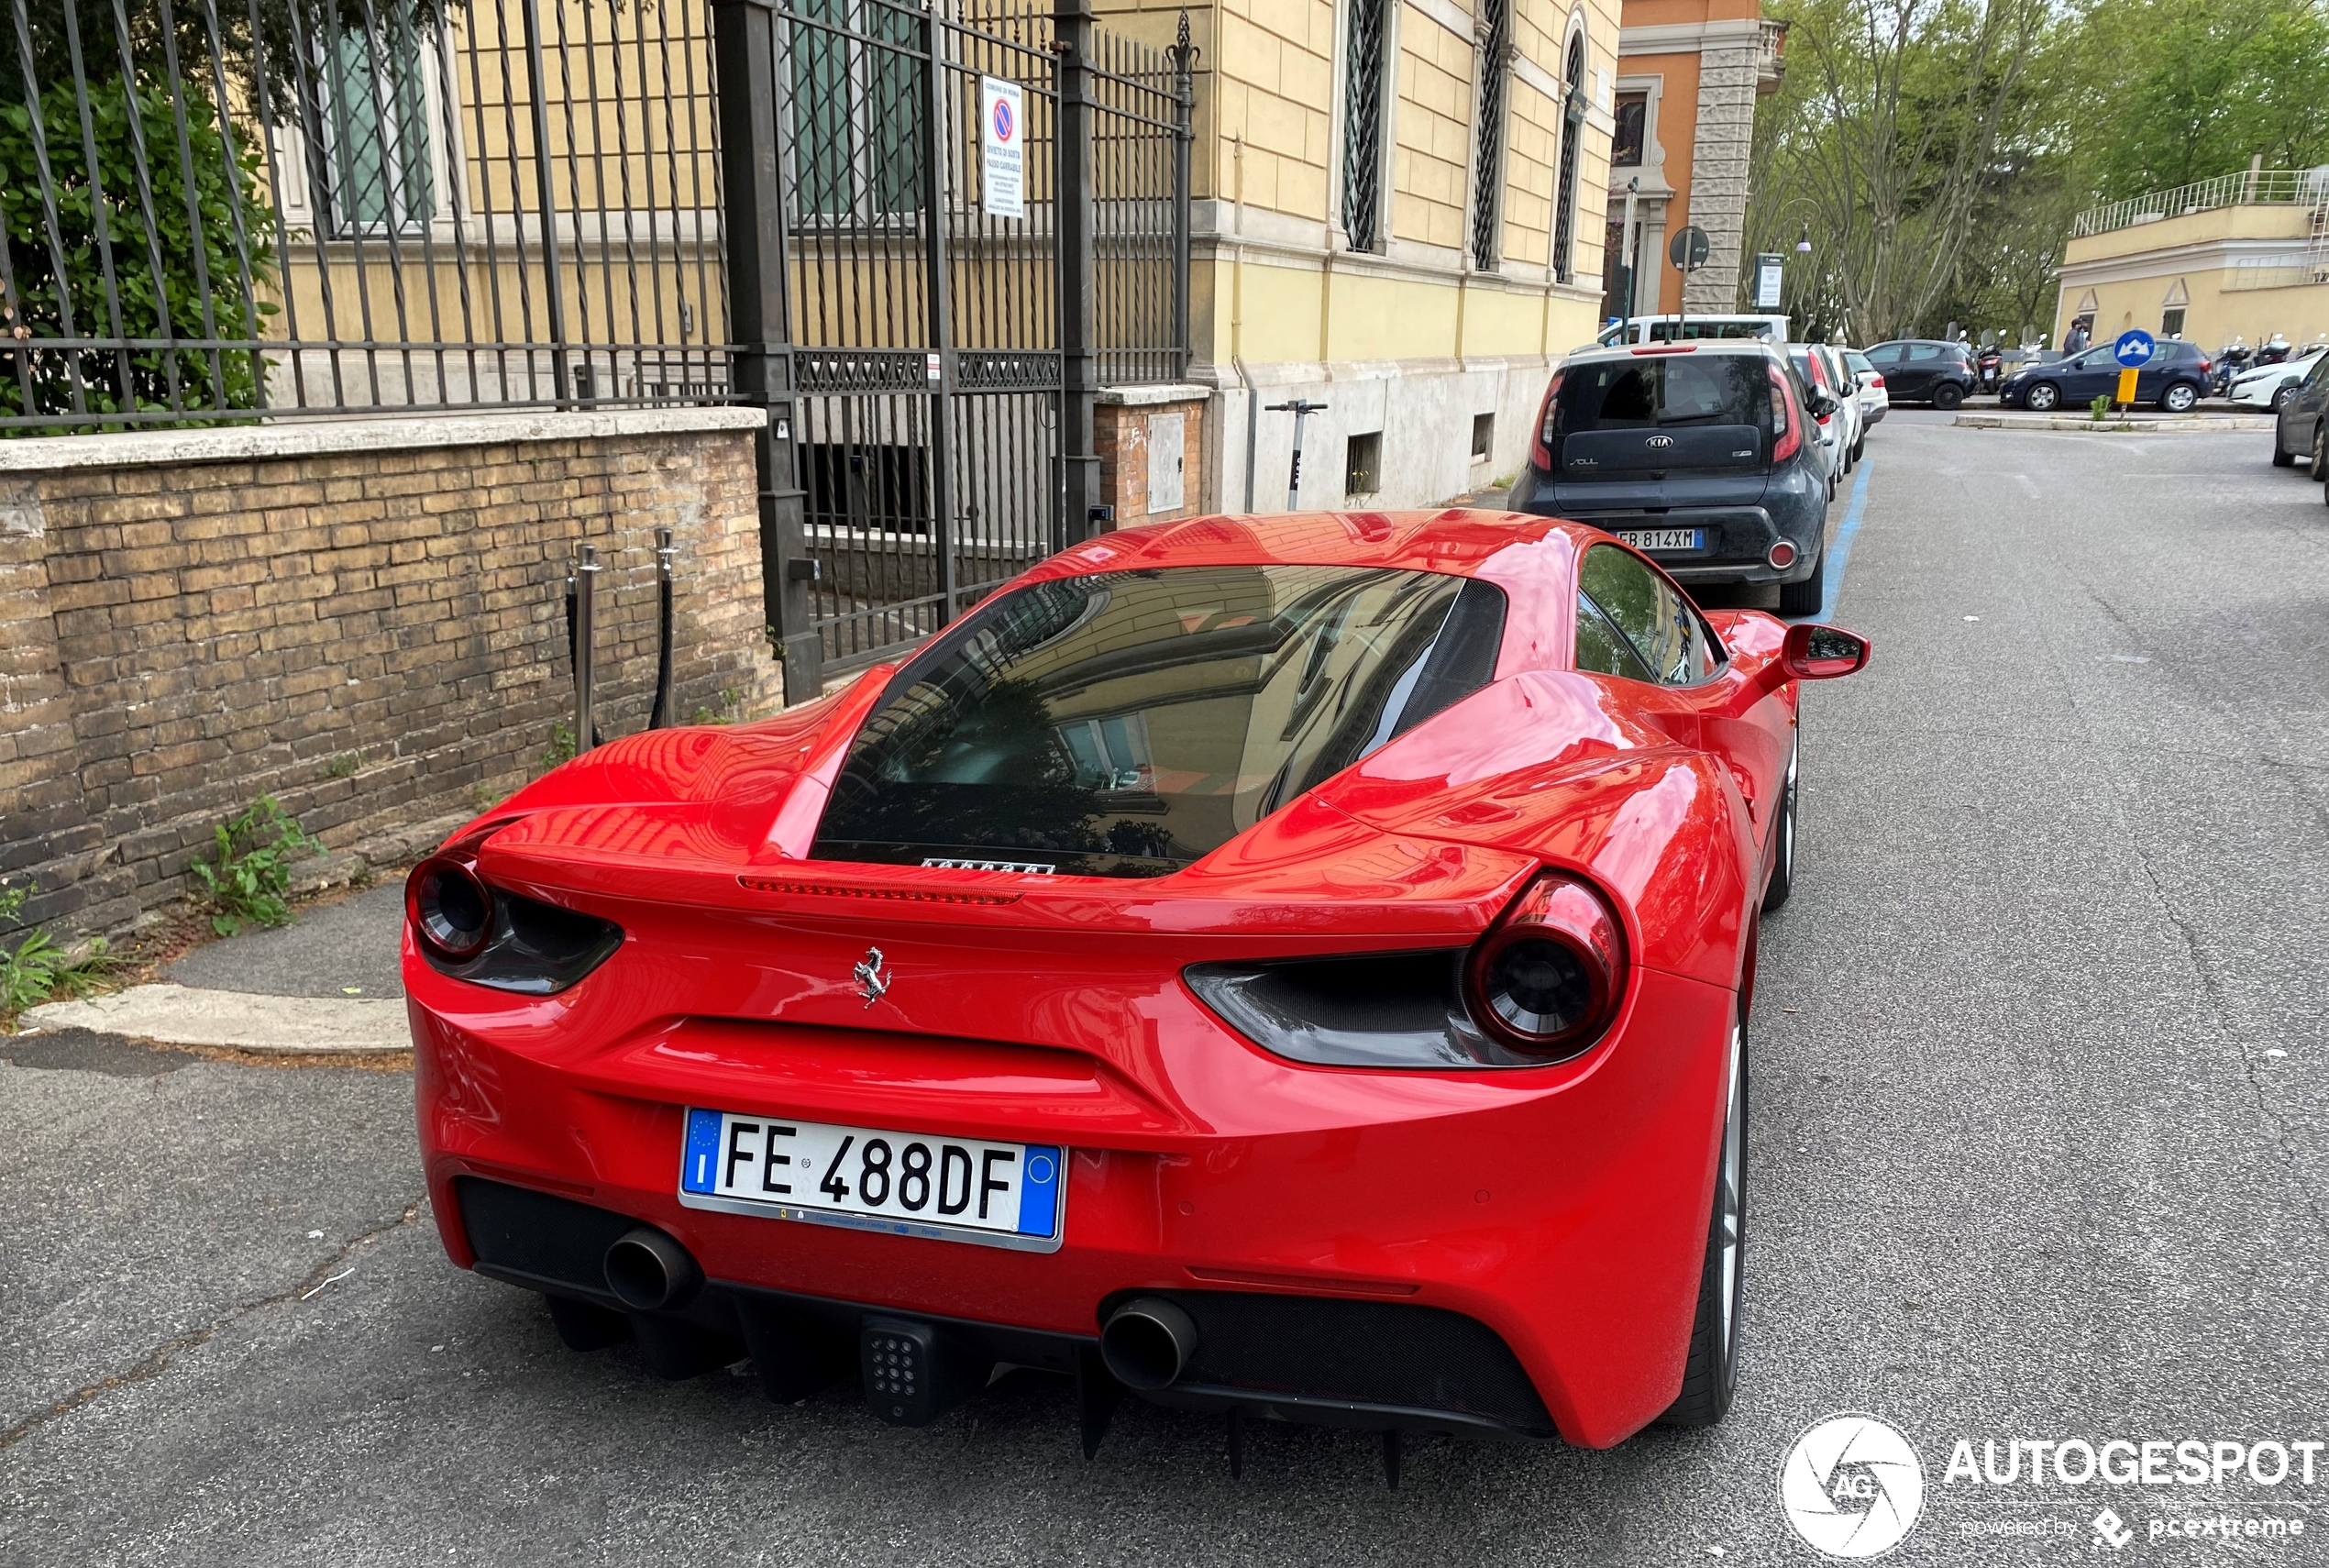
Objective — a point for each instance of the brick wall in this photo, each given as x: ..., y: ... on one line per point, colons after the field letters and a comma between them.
x: 1123, y: 426
x: 364, y: 620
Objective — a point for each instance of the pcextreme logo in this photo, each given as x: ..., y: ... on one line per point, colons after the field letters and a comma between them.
x: 1852, y: 1486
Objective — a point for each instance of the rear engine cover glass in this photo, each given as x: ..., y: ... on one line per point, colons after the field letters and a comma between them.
x: 1127, y: 723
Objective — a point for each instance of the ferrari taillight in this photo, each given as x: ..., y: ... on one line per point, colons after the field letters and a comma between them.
x: 1541, y: 446
x: 451, y: 912
x: 1548, y: 977
x: 1786, y: 434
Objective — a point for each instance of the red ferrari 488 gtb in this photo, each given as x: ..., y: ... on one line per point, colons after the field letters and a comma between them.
x: 1291, y: 967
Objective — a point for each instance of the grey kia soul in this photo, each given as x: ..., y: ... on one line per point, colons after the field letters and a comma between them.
x: 1699, y: 455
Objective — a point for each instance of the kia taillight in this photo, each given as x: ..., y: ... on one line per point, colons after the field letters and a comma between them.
x: 1548, y: 977
x: 1786, y: 436
x: 1541, y: 447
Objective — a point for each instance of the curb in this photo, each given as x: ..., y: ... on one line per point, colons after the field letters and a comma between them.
x: 240, y: 1021
x: 2169, y: 424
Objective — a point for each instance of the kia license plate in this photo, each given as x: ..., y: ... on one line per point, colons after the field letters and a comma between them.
x: 1664, y: 539
x: 869, y: 1178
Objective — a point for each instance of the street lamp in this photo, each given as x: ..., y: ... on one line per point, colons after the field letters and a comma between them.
x: 1803, y: 246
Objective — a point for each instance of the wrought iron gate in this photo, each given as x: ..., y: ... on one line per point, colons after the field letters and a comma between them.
x: 929, y: 366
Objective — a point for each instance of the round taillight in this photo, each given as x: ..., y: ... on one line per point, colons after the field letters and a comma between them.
x: 1782, y: 555
x: 450, y: 910
x: 1548, y: 977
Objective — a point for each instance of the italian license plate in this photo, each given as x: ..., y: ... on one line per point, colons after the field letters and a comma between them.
x: 870, y: 1178
x: 1664, y: 539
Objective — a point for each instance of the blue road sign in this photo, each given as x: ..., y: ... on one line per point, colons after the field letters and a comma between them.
x: 2134, y: 349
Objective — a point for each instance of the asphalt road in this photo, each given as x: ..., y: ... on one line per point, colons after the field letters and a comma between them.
x: 2037, y: 1151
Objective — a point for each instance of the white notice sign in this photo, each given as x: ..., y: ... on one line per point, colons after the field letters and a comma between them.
x: 1767, y: 277
x: 1002, y: 140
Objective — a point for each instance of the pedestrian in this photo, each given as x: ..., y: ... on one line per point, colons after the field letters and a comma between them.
x: 2077, y: 338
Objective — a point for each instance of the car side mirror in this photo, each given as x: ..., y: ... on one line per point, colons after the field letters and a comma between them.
x: 1818, y: 404
x: 1821, y: 652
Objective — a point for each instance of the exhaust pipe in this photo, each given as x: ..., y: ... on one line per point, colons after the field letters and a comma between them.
x: 1146, y: 1342
x: 649, y: 1272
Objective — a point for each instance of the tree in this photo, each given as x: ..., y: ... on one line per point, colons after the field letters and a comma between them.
x: 1889, y: 128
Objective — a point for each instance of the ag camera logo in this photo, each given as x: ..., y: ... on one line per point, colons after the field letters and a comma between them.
x: 1852, y: 1486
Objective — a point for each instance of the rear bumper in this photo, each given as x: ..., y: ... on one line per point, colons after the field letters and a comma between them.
x: 1738, y: 539
x: 1561, y: 1210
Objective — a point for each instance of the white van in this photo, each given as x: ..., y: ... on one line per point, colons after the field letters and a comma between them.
x: 1771, y: 329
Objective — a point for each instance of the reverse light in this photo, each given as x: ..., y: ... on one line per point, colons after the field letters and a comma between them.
x: 1548, y: 977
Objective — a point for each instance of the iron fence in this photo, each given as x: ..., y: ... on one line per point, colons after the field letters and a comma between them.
x: 221, y: 208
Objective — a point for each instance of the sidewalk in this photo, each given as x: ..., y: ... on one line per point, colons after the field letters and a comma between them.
x: 327, y: 984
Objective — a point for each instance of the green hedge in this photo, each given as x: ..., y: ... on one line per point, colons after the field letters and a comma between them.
x: 38, y: 380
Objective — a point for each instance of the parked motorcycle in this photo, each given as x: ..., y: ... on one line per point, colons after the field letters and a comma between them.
x: 1992, y: 366
x: 2274, y: 351
x: 2235, y: 358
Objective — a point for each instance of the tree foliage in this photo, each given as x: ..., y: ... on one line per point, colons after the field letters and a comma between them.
x: 1940, y: 150
x: 152, y: 239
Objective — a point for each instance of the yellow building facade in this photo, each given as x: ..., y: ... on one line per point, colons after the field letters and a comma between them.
x: 1398, y: 213
x: 2245, y: 256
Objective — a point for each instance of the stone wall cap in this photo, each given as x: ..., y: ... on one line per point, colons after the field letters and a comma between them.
x: 1165, y: 391
x: 403, y: 432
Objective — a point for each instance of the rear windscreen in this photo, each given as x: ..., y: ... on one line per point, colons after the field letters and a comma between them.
x: 1126, y: 723
x: 1688, y: 331
x: 1663, y: 391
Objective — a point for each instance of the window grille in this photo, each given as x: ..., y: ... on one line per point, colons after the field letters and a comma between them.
x: 365, y: 104
x: 858, y: 113
x: 1488, y: 169
x: 1363, y: 126
x: 1572, y: 125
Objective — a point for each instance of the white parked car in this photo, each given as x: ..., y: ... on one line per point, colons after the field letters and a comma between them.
x: 1875, y: 402
x: 1771, y: 329
x: 2265, y: 386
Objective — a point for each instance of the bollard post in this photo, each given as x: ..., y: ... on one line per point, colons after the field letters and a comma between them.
x: 660, y: 717
x: 586, y: 577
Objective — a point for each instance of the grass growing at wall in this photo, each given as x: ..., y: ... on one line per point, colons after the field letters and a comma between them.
x: 244, y: 885
x: 33, y: 969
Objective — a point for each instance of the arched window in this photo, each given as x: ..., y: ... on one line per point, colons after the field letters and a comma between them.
x: 1487, y: 166
x: 1572, y: 125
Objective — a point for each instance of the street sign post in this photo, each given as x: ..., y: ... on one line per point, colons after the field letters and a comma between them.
x: 1688, y: 252
x: 2133, y: 350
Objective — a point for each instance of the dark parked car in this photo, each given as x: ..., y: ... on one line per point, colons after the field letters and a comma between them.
x: 1702, y: 455
x: 2301, y: 421
x: 2176, y: 378
x: 1925, y: 370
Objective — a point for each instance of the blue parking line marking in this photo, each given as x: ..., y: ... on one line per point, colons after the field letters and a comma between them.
x: 1842, y: 549
x: 1038, y: 1197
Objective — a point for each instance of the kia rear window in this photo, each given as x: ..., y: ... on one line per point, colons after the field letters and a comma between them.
x: 1127, y: 723
x: 1662, y: 392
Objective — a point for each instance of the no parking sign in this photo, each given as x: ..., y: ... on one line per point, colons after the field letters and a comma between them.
x: 1002, y: 139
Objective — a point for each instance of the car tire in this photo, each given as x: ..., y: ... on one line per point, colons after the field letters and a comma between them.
x: 1859, y: 445
x: 2281, y: 457
x: 1805, y: 598
x: 2044, y: 397
x: 1710, y: 1372
x: 2319, y: 469
x: 1782, y: 867
x: 2181, y: 398
x: 2280, y: 398
x: 1948, y: 395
